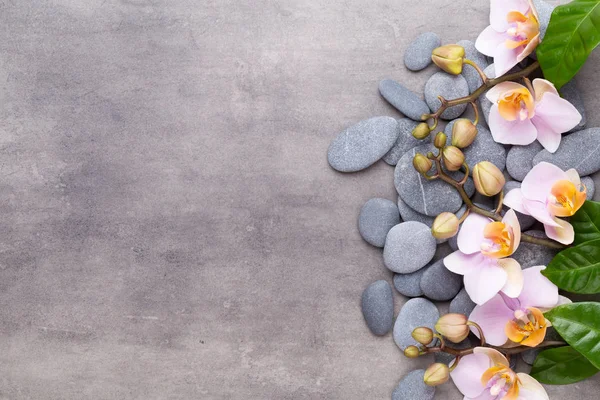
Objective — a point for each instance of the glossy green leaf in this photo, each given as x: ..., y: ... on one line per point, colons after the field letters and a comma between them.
x: 586, y: 222
x: 562, y: 366
x: 573, y: 32
x: 577, y: 269
x: 579, y: 325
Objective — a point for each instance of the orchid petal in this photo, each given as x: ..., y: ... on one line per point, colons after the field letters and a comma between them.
x: 510, y: 219
x: 495, y: 356
x: 541, y: 87
x: 511, y: 132
x: 489, y: 40
x: 538, y: 291
x: 527, y: 50
x: 530, y: 389
x: 505, y: 59
x: 564, y: 233
x: 514, y: 277
x: 467, y: 374
x: 485, y: 282
x: 558, y: 113
x: 499, y: 9
x: 546, y: 134
x: 574, y: 176
x: 461, y: 263
x: 492, y: 317
x: 539, y: 181
x: 471, y: 236
x: 494, y: 93
x: 514, y: 199
x: 539, y: 211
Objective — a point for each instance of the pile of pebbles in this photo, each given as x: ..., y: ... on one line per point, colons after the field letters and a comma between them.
x: 401, y: 227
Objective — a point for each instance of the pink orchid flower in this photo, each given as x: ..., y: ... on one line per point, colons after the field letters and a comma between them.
x: 519, y: 320
x: 483, y: 246
x: 547, y: 192
x: 520, y: 115
x: 486, y: 375
x: 513, y: 34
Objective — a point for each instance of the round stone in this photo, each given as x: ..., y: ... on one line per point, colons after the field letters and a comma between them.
x: 483, y: 148
x: 438, y: 283
x: 413, y: 387
x: 376, y: 219
x: 409, y: 247
x: 405, y: 141
x: 519, y: 160
x: 531, y: 255
x: 579, y: 150
x: 571, y: 93
x: 409, y: 284
x: 418, y: 53
x: 361, y: 145
x: 590, y: 186
x: 449, y: 87
x: 378, y: 307
x: 461, y: 304
x: 415, y: 313
x: 404, y: 100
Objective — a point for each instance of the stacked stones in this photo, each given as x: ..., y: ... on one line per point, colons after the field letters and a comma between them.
x: 402, y: 228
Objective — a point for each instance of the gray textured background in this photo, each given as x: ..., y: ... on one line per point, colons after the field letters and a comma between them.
x: 170, y: 227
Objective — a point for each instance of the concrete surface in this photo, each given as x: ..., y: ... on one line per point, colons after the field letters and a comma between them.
x: 170, y: 227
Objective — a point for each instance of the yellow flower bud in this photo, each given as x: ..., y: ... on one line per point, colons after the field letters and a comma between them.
x: 421, y: 163
x: 464, y: 133
x: 412, y: 352
x: 453, y: 327
x: 453, y: 158
x: 421, y: 131
x: 445, y: 226
x: 423, y: 335
x: 449, y: 58
x: 440, y: 140
x: 488, y: 179
x: 437, y: 374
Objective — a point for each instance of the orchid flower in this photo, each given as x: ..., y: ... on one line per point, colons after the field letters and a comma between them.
x: 519, y: 320
x: 486, y: 375
x: 520, y: 115
x: 547, y: 192
x: 513, y: 34
x: 483, y: 246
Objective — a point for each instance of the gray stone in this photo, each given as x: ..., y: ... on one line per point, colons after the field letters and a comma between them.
x: 418, y: 53
x: 361, y: 145
x: 470, y: 74
x: 519, y: 160
x: 590, y: 185
x: 378, y: 307
x: 526, y: 221
x: 579, y: 150
x: 415, y: 313
x: 461, y: 304
x: 544, y: 12
x: 446, y: 358
x: 408, y: 214
x: 409, y: 247
x: 376, y: 219
x: 453, y: 243
x: 483, y: 148
x: 412, y: 387
x: 405, y: 101
x: 571, y: 93
x: 409, y: 284
x: 531, y: 255
x: 449, y: 87
x: 405, y: 141
x: 510, y: 185
x: 438, y: 283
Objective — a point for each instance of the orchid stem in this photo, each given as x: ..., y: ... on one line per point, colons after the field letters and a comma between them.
x: 476, y: 326
x: 482, y: 74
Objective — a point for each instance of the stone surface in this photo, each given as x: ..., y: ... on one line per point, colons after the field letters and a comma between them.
x: 438, y: 283
x: 483, y: 148
x: 544, y: 12
x: 375, y: 220
x: 469, y: 73
x: 461, y: 304
x: 590, y: 186
x: 412, y: 387
x: 378, y: 307
x: 408, y: 214
x: 450, y: 87
x: 409, y: 284
x: 531, y: 255
x: 415, y: 313
x: 405, y: 141
x: 405, y: 101
x: 519, y: 160
x: 361, y: 145
x: 571, y: 93
x: 578, y: 150
x: 399, y: 253
x: 418, y: 54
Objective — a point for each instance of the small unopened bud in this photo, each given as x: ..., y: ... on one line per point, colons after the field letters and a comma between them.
x: 453, y: 158
x: 445, y: 226
x: 421, y: 163
x: 464, y: 133
x: 449, y: 58
x: 453, y: 327
x: 423, y: 335
x: 488, y: 179
x: 437, y: 374
x: 412, y: 352
x: 421, y: 131
x: 440, y: 140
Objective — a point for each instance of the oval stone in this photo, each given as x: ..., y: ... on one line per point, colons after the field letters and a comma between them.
x: 531, y: 255
x: 418, y: 54
x: 462, y: 304
x: 415, y: 313
x: 449, y: 87
x: 519, y: 160
x: 404, y: 100
x: 409, y: 247
x: 376, y: 219
x: 579, y: 150
x: 378, y: 307
x: 413, y: 387
x: 409, y: 285
x: 405, y: 141
x: 439, y: 283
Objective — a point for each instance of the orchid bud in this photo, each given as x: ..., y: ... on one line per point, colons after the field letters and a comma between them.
x: 412, y: 352
x: 421, y: 131
x: 453, y: 158
x: 423, y: 335
x: 488, y: 179
x: 421, y: 163
x: 440, y: 140
x: 444, y: 227
x: 464, y: 133
x: 437, y: 374
x: 453, y: 327
x: 449, y: 58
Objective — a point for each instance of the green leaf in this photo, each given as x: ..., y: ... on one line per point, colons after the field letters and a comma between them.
x: 586, y: 222
x: 573, y: 32
x: 562, y: 366
x: 577, y: 269
x: 579, y: 325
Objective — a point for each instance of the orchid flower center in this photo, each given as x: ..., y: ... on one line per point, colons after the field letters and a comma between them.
x: 527, y: 328
x: 517, y: 104
x: 501, y: 382
x: 522, y: 29
x: 566, y: 198
x: 498, y: 240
